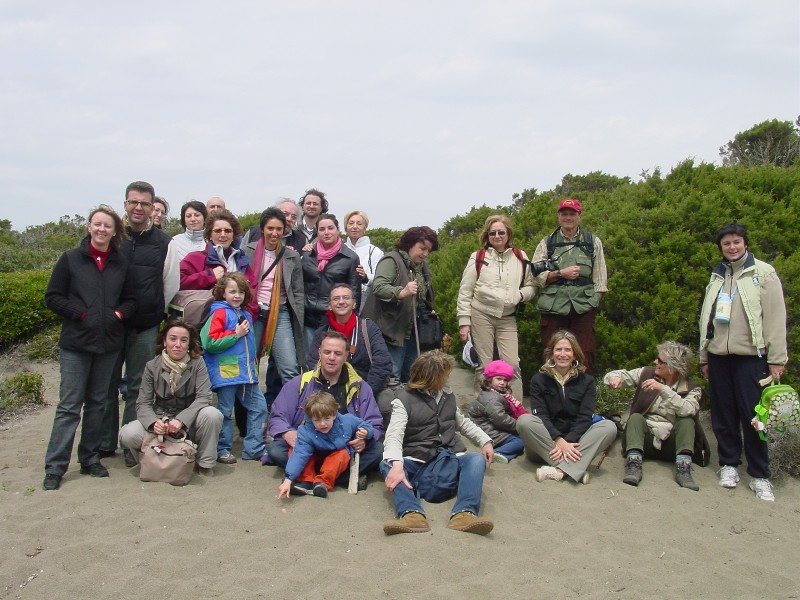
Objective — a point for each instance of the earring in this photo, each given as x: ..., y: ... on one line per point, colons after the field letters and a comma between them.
x: 551, y: 364
x: 576, y: 364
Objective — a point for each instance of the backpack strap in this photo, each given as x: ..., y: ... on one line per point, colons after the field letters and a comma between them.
x: 586, y: 244
x: 365, y: 335
x: 480, y: 260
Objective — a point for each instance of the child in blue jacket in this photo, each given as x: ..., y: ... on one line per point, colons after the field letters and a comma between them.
x: 229, y: 349
x: 323, y: 450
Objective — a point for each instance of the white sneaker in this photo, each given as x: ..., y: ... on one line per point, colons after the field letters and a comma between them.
x: 499, y: 458
x: 763, y: 489
x: 585, y: 479
x: 548, y: 472
x: 728, y: 476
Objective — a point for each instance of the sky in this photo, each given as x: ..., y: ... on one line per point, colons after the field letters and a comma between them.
x: 413, y: 111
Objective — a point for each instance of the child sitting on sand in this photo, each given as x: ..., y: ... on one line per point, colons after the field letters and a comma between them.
x: 496, y: 411
x: 322, y: 451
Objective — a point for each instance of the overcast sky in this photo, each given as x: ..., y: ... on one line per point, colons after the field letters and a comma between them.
x: 414, y: 111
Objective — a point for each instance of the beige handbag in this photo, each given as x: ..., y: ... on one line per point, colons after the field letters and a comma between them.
x: 167, y: 459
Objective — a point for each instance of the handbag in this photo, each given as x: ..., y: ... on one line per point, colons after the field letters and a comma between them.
x: 437, y: 481
x: 778, y: 411
x: 167, y: 459
x: 192, y: 306
x: 430, y: 329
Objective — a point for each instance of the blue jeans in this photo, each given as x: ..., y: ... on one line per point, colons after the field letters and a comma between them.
x: 403, y: 357
x: 84, y: 385
x: 252, y: 399
x: 139, y: 349
x: 370, y: 457
x: 283, y: 353
x: 511, y: 448
x: 471, y: 468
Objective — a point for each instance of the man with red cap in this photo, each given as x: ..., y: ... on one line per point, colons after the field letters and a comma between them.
x: 571, y: 294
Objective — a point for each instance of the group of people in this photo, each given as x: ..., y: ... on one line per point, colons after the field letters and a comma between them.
x: 337, y: 320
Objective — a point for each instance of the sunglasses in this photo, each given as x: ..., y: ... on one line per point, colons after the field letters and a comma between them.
x: 497, y: 233
x: 219, y: 230
x: 659, y: 361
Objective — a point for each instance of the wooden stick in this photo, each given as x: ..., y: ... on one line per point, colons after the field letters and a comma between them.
x: 352, y: 485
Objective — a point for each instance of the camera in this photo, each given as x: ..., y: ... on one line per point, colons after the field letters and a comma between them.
x: 543, y: 265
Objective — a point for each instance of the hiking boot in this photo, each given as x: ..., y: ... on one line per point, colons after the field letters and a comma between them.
x: 633, y: 471
x: 51, y: 481
x: 95, y: 470
x: 362, y: 483
x: 466, y: 521
x: 319, y: 490
x: 728, y: 476
x: 763, y: 489
x: 548, y: 472
x: 411, y: 522
x: 683, y: 475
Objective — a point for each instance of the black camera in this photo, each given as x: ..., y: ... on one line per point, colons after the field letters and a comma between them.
x: 543, y: 265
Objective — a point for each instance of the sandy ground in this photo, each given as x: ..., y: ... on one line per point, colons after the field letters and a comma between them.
x: 229, y: 537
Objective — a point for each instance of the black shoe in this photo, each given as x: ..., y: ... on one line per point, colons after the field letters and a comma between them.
x: 633, y: 471
x: 95, y: 470
x: 683, y: 475
x: 130, y: 460
x: 362, y: 483
x: 106, y: 453
x: 300, y: 488
x: 51, y: 481
x: 320, y: 490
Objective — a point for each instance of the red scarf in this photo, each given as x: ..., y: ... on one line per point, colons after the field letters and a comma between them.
x: 346, y: 329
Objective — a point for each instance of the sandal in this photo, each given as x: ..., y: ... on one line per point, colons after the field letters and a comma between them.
x: 227, y: 459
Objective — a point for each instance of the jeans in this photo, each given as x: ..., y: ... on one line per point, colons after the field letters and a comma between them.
x: 84, y: 385
x: 252, y: 399
x: 139, y: 349
x: 370, y: 457
x: 512, y: 447
x: 283, y: 353
x: 471, y: 468
x: 403, y: 357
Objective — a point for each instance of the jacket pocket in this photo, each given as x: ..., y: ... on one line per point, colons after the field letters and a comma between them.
x: 229, y: 367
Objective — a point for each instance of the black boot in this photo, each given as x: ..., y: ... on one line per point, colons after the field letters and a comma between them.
x: 633, y: 470
x: 683, y: 475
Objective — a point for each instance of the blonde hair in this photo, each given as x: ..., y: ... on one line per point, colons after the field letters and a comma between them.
x: 491, y: 220
x: 563, y: 334
x: 361, y: 214
x: 431, y: 371
x: 119, y: 227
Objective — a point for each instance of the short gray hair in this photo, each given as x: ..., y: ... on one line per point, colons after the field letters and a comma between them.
x: 679, y: 357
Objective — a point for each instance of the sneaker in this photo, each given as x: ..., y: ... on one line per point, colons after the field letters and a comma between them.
x: 51, y: 481
x: 683, y: 475
x: 95, y: 470
x: 499, y: 458
x: 411, y: 522
x: 227, y: 459
x: 763, y: 489
x: 319, y: 490
x: 466, y: 521
x: 728, y: 476
x: 548, y: 472
x: 633, y: 471
x: 584, y: 478
x: 362, y: 483
x: 301, y: 488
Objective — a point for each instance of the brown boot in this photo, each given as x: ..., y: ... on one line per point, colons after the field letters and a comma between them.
x: 466, y: 521
x: 411, y: 522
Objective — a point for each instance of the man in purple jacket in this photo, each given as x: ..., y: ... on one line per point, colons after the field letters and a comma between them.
x: 354, y: 396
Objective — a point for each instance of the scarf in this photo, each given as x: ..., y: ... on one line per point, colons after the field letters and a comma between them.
x: 174, y: 368
x: 514, y: 406
x: 271, y: 324
x: 324, y: 256
x: 345, y: 329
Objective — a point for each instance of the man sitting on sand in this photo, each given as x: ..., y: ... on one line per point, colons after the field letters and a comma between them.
x: 424, y: 456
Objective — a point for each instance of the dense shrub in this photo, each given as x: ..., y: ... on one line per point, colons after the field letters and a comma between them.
x: 22, y: 309
x: 20, y: 391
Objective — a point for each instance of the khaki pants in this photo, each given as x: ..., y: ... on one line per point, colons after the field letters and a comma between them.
x: 488, y: 331
x: 538, y: 444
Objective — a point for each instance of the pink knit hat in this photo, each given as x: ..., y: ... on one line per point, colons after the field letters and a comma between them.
x: 499, y: 368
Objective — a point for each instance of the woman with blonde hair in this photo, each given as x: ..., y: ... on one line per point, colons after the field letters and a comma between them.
x: 496, y: 281
x: 560, y: 432
x: 355, y: 228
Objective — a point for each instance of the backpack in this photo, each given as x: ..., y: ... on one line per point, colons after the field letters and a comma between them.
x: 193, y: 306
x: 480, y: 260
x: 586, y: 244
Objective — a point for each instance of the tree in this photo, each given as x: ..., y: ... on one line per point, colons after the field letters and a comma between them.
x: 769, y: 143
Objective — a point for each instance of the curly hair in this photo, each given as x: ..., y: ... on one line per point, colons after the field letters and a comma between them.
x: 322, y: 200
x: 195, y: 348
x: 222, y: 214
x: 418, y: 234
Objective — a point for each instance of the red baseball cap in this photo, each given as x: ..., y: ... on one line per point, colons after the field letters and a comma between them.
x: 570, y: 204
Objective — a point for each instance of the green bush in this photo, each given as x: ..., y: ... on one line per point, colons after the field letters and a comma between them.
x: 20, y: 391
x: 22, y: 309
x: 784, y: 454
x: 44, y: 345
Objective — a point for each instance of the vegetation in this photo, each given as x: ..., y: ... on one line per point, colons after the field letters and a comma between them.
x: 769, y: 143
x: 21, y: 391
x: 784, y: 454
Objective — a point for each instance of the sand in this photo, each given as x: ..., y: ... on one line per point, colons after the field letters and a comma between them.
x: 229, y: 536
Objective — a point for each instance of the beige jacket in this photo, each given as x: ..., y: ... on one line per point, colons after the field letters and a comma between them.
x: 497, y: 291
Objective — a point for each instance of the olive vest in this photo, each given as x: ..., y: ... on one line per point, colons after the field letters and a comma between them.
x: 562, y: 296
x: 430, y: 425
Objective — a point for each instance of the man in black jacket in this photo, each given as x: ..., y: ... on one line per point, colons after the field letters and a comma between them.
x: 146, y: 251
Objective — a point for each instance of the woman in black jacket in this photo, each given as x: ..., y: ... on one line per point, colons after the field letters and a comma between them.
x: 328, y: 262
x: 560, y: 431
x: 91, y: 291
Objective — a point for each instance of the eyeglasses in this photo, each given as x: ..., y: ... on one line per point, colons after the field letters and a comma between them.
x: 659, y: 361
x: 142, y: 203
x: 341, y: 299
x: 497, y: 233
x: 219, y: 230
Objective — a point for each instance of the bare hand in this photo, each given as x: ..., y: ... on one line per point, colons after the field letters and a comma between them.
x: 704, y: 370
x: 218, y: 272
x: 488, y: 452
x: 358, y: 444
x: 463, y: 332
x: 283, y: 489
x: 566, y: 451
x: 615, y: 382
x: 160, y: 428
x: 290, y: 437
x: 360, y: 271
x: 651, y: 385
x: 396, y: 476
x: 242, y: 328
x: 410, y: 289
x: 776, y: 371
x: 572, y: 272
x: 174, y: 426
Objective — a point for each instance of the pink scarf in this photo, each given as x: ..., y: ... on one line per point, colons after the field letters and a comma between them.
x: 324, y: 256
